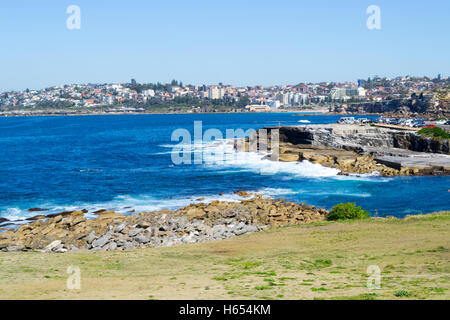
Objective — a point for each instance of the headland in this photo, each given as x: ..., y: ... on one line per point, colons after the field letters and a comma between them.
x: 363, y: 149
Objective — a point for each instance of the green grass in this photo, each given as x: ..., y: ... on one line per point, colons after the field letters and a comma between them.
x: 402, y: 293
x: 312, y: 261
x: 434, y: 132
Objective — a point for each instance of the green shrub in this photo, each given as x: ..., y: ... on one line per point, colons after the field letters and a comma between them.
x: 403, y: 293
x: 434, y: 132
x: 347, y: 211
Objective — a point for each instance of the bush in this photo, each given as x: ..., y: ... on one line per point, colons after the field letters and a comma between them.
x: 347, y: 211
x: 434, y: 132
x: 403, y: 293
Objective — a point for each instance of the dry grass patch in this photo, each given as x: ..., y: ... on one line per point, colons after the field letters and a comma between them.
x: 321, y: 260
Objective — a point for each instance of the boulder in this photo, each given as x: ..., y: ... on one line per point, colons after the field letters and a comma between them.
x: 53, y: 245
x: 195, y: 213
x: 100, y: 211
x: 242, y: 194
x: 129, y: 246
x: 91, y: 237
x: 120, y: 227
x: 289, y: 157
x: 111, y: 246
x: 100, y: 242
x: 143, y: 224
x: 35, y: 218
x: 134, y: 232
x: 141, y: 239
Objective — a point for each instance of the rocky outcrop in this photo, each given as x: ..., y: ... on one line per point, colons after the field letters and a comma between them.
x: 347, y: 161
x: 414, y: 142
x: 360, y: 138
x: 194, y: 223
x: 362, y: 149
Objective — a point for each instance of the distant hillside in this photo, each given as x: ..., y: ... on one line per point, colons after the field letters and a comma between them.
x: 435, y: 103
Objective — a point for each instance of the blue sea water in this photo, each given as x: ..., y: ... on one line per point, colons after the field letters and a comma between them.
x: 124, y: 162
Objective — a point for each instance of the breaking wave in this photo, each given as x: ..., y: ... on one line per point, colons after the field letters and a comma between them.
x: 222, y: 155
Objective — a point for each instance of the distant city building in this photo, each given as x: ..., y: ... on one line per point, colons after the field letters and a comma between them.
x: 274, y: 104
x: 361, y: 92
x: 272, y: 97
x: 345, y: 93
x: 149, y: 92
x: 258, y: 108
x: 338, y: 93
x: 213, y: 93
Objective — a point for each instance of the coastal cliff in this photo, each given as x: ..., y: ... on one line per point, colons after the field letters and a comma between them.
x: 364, y: 149
x: 354, y: 137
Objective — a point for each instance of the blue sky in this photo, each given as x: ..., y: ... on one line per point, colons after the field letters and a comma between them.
x: 206, y: 42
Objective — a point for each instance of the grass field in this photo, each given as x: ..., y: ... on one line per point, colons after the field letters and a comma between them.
x: 326, y: 260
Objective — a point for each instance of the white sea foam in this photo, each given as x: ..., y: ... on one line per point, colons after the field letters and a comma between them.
x: 90, y: 170
x: 122, y: 204
x: 256, y: 163
x: 345, y: 194
x: 273, y: 192
x: 364, y: 177
x: 147, y: 203
x: 304, y: 121
x: 13, y: 214
x: 223, y: 155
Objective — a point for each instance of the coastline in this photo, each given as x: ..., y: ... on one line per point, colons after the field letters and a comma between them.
x: 109, y: 231
x: 297, y: 112
x: 43, y: 114
x: 358, y: 149
x: 68, y: 231
x: 197, y: 223
x: 317, y: 112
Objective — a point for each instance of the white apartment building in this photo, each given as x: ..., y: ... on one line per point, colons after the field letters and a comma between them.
x: 361, y: 92
x: 215, y: 93
x: 149, y: 93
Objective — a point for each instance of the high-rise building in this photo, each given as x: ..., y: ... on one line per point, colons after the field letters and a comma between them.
x: 338, y: 93
x: 213, y: 93
x: 221, y: 93
x: 303, y: 98
x: 216, y: 93
x: 283, y: 98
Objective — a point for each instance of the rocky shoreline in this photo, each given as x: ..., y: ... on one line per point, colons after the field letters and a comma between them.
x: 72, y: 231
x: 360, y: 149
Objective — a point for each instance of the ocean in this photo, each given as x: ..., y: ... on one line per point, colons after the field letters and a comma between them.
x: 125, y: 162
